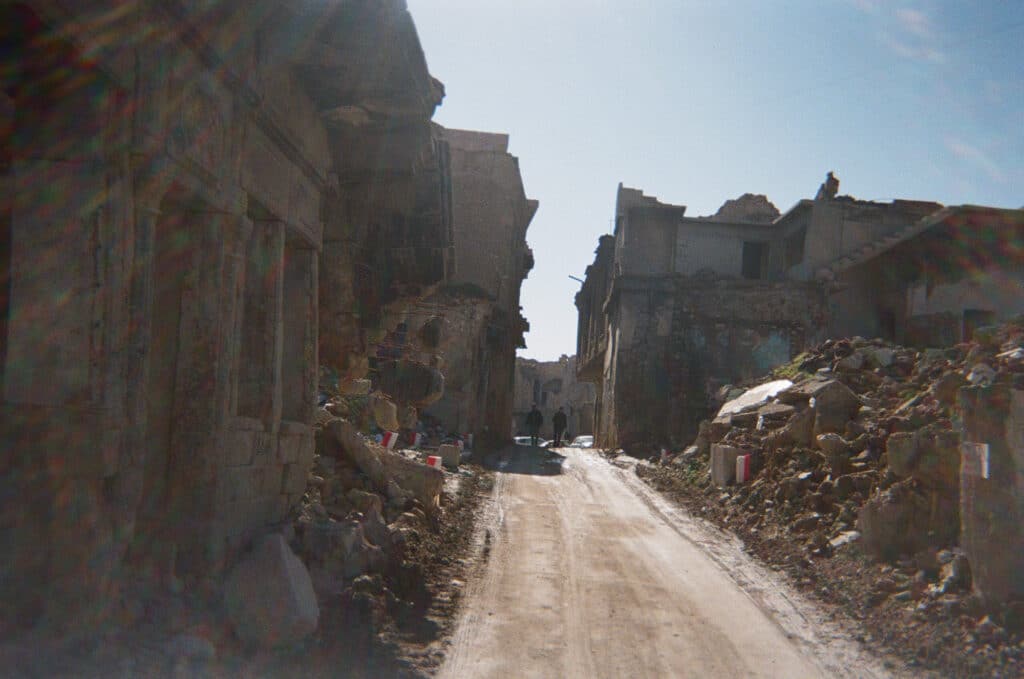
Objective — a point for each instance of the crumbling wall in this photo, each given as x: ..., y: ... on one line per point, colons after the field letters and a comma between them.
x: 681, y: 339
x: 163, y: 202
x: 464, y: 359
x: 490, y: 216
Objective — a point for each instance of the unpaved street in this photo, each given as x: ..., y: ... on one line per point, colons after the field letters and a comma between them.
x: 591, y: 575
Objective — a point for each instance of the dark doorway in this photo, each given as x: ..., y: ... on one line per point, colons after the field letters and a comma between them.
x: 974, y: 319
x: 755, y: 259
x: 887, y: 325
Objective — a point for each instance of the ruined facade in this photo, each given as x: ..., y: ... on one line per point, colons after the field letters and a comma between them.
x: 553, y: 385
x: 483, y: 324
x: 180, y: 185
x: 673, y: 307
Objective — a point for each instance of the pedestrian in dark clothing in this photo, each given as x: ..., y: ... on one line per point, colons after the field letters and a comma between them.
x: 534, y: 420
x: 559, y: 421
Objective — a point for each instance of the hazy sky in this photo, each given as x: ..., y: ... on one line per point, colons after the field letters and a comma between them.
x: 699, y: 102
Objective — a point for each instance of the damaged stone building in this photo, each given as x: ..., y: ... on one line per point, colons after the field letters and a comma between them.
x: 482, y: 322
x: 552, y: 385
x: 673, y: 307
x: 197, y: 201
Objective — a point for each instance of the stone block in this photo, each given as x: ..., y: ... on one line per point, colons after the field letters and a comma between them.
x: 834, y: 405
x: 901, y: 448
x: 903, y: 520
x: 238, y: 446
x: 272, y: 481
x: 450, y: 455
x: 288, y: 449
x: 992, y: 491
x: 385, y: 413
x: 269, y: 596
x: 425, y: 483
x: 723, y: 463
x: 294, y: 479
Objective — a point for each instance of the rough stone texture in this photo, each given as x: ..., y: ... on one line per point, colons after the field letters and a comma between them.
x: 992, y: 490
x: 385, y: 467
x: 410, y: 382
x: 385, y: 413
x: 723, y: 463
x: 834, y: 405
x: 341, y: 547
x: 269, y: 596
x: 930, y: 456
x: 901, y: 521
x: 681, y: 339
x: 747, y: 208
x: 451, y: 456
x: 180, y: 205
x: 490, y: 216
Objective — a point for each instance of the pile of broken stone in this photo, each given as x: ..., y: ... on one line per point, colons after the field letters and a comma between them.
x: 363, y: 504
x: 861, y: 444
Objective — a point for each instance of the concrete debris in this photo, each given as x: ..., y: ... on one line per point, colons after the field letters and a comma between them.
x: 870, y: 445
x: 382, y: 466
x: 385, y: 412
x: 451, y: 456
x: 269, y: 596
x: 754, y: 397
x: 723, y: 463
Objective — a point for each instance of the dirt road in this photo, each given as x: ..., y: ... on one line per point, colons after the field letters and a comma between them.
x: 591, y: 575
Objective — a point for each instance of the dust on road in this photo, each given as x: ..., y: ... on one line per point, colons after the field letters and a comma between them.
x: 590, y: 575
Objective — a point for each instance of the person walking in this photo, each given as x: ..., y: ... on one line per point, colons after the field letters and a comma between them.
x: 559, y: 421
x: 534, y: 420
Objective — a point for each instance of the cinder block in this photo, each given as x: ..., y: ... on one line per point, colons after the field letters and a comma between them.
x: 450, y: 455
x: 723, y: 463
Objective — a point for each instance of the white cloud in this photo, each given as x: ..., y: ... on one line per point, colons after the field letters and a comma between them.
x: 977, y: 157
x: 916, y: 22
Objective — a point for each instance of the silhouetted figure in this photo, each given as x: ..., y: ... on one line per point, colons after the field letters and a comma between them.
x: 560, y: 421
x: 534, y: 420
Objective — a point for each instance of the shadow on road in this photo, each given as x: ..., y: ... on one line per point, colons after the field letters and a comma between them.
x: 525, y: 460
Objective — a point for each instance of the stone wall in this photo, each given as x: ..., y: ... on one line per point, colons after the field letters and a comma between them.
x: 679, y: 339
x: 162, y: 221
x: 483, y: 321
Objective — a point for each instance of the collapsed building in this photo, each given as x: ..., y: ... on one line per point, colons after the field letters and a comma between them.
x: 481, y: 322
x: 551, y: 385
x: 197, y: 204
x: 673, y: 308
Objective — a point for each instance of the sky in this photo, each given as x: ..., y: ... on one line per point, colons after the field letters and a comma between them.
x: 700, y: 102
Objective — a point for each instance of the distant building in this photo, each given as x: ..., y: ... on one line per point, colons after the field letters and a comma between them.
x: 675, y: 307
x: 553, y: 385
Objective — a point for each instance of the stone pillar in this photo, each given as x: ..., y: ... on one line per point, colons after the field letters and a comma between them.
x: 992, y: 490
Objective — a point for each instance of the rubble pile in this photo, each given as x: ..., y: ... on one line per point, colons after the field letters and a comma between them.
x: 368, y: 509
x: 855, y: 448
